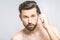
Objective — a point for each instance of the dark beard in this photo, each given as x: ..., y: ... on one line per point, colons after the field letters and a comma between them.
x: 31, y: 28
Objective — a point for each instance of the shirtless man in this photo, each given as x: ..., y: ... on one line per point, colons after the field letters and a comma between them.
x: 29, y: 14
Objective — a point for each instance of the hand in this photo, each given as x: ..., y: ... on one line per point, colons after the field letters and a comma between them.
x: 44, y: 20
x: 52, y: 32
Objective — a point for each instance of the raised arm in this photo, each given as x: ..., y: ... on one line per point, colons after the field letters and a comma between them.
x: 52, y: 32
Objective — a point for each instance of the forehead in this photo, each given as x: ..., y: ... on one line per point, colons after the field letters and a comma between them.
x: 29, y: 12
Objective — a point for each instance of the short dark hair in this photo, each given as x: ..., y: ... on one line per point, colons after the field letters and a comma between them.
x: 29, y: 5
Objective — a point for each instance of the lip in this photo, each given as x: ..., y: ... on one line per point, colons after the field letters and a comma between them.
x: 30, y: 26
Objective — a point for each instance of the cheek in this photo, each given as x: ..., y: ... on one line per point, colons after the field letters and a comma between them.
x: 25, y: 21
x: 34, y: 20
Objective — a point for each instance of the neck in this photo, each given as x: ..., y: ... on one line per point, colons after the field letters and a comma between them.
x: 32, y: 32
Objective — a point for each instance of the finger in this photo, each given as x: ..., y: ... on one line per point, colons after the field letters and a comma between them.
x: 42, y: 18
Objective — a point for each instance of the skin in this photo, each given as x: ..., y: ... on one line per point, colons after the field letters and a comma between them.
x: 42, y: 31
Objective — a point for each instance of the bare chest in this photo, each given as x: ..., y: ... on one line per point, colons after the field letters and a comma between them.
x: 34, y: 37
x: 31, y: 38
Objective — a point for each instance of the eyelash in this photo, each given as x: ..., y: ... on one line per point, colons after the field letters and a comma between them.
x: 31, y: 16
x: 25, y: 17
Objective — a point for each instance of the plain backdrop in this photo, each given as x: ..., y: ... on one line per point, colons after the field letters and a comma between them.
x: 10, y: 22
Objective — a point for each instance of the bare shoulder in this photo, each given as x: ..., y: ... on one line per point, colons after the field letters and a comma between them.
x: 17, y: 36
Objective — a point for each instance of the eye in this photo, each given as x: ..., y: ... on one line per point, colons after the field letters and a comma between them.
x: 25, y: 17
x: 33, y: 16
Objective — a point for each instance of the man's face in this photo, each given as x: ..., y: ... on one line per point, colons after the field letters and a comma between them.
x: 29, y: 18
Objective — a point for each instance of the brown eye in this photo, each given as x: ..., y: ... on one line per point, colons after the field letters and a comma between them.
x: 25, y: 17
x: 33, y: 15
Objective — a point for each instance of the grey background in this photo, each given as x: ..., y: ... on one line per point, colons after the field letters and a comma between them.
x: 9, y: 15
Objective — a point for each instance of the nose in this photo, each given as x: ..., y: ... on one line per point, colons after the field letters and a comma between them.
x: 29, y: 20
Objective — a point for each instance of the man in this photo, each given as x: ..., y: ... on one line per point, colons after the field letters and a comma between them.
x: 29, y: 14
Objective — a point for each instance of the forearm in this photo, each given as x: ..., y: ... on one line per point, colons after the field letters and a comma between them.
x: 50, y: 33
